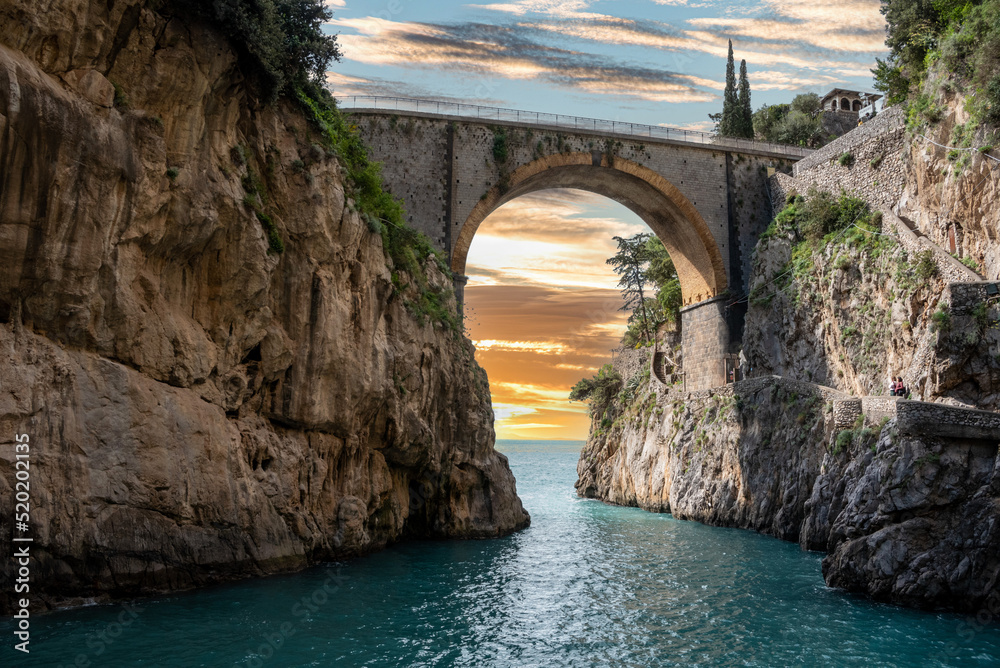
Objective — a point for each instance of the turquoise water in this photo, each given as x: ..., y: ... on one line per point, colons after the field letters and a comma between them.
x: 587, y: 585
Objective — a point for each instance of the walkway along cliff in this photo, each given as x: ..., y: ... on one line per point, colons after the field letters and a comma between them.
x: 219, y: 374
x: 903, y: 495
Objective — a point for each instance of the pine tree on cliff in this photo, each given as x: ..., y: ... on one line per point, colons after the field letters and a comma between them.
x: 729, y: 123
x: 745, y: 115
x: 630, y: 264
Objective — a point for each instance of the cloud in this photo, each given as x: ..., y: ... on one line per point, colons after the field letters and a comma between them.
x: 697, y: 126
x: 344, y: 86
x: 539, y: 347
x: 509, y: 52
x: 777, y: 80
x: 576, y: 367
x: 503, y: 411
x: 550, y: 312
x: 560, y: 8
x: 553, y: 238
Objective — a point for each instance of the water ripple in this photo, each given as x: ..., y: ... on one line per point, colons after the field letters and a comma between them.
x: 586, y: 585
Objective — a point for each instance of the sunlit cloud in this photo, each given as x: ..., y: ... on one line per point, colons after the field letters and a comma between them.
x: 775, y: 80
x: 546, y: 328
x: 510, y: 53
x: 506, y: 412
x: 540, y: 347
x: 560, y: 8
x: 344, y: 86
x: 697, y: 126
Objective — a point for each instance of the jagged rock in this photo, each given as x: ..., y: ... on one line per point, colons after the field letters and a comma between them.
x: 199, y: 407
x: 918, y: 523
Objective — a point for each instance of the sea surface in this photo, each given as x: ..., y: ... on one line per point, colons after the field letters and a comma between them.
x: 587, y: 584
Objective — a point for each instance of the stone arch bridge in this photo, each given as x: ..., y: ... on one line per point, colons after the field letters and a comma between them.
x: 705, y: 197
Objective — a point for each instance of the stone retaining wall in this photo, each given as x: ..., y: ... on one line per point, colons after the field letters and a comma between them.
x: 965, y: 297
x: 949, y: 268
x: 919, y: 418
x: 628, y: 362
x: 781, y: 185
x: 877, y: 174
x: 752, y: 385
x: 912, y: 417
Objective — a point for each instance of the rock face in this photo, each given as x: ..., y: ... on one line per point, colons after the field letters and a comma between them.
x: 912, y: 520
x: 951, y: 194
x: 905, y: 519
x: 857, y: 313
x: 199, y: 407
x: 741, y: 458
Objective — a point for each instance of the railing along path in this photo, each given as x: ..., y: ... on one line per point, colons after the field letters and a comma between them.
x: 625, y: 128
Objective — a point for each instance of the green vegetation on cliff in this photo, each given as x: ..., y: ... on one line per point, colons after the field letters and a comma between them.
x: 650, y: 288
x: 280, y: 43
x: 828, y: 259
x: 942, y: 45
x: 284, y: 53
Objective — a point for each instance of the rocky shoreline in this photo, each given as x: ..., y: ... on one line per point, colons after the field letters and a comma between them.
x: 904, y: 519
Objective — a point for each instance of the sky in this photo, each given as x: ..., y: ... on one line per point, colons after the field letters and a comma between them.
x: 542, y: 303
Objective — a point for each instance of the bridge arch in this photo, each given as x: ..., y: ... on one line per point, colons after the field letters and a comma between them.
x: 671, y: 216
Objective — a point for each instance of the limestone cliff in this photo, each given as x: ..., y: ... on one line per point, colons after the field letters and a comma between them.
x: 953, y: 184
x: 865, y: 308
x: 199, y: 406
x: 906, y: 516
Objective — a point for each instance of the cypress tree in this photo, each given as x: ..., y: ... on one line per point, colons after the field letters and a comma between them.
x: 744, y: 126
x: 729, y: 123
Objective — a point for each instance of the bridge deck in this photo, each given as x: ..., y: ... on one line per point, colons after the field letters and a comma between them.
x: 371, y: 104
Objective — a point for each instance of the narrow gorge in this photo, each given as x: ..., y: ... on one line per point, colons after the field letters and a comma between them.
x: 221, y: 370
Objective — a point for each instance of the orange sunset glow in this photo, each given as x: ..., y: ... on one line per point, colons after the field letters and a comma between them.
x: 542, y: 306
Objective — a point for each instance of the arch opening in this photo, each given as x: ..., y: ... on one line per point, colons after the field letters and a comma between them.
x: 657, y: 202
x: 544, y: 309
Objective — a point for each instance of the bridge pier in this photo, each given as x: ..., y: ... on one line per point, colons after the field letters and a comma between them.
x: 704, y: 342
x: 460, y: 282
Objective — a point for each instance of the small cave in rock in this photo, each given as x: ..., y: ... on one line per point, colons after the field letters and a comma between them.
x: 253, y: 355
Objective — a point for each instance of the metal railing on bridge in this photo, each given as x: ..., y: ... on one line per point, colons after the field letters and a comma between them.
x: 637, y: 130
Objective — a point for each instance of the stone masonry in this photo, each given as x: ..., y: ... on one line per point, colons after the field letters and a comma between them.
x: 705, y: 202
x: 705, y: 342
x: 875, y: 173
x: 443, y: 167
x: 919, y: 417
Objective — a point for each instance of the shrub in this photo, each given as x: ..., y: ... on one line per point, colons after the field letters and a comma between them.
x: 121, y: 99
x: 501, y: 150
x: 172, y: 173
x: 273, y: 238
x: 599, y: 390
x: 941, y: 319
x: 845, y: 159
x: 843, y: 440
x: 969, y: 262
x: 925, y: 266
x: 280, y: 43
